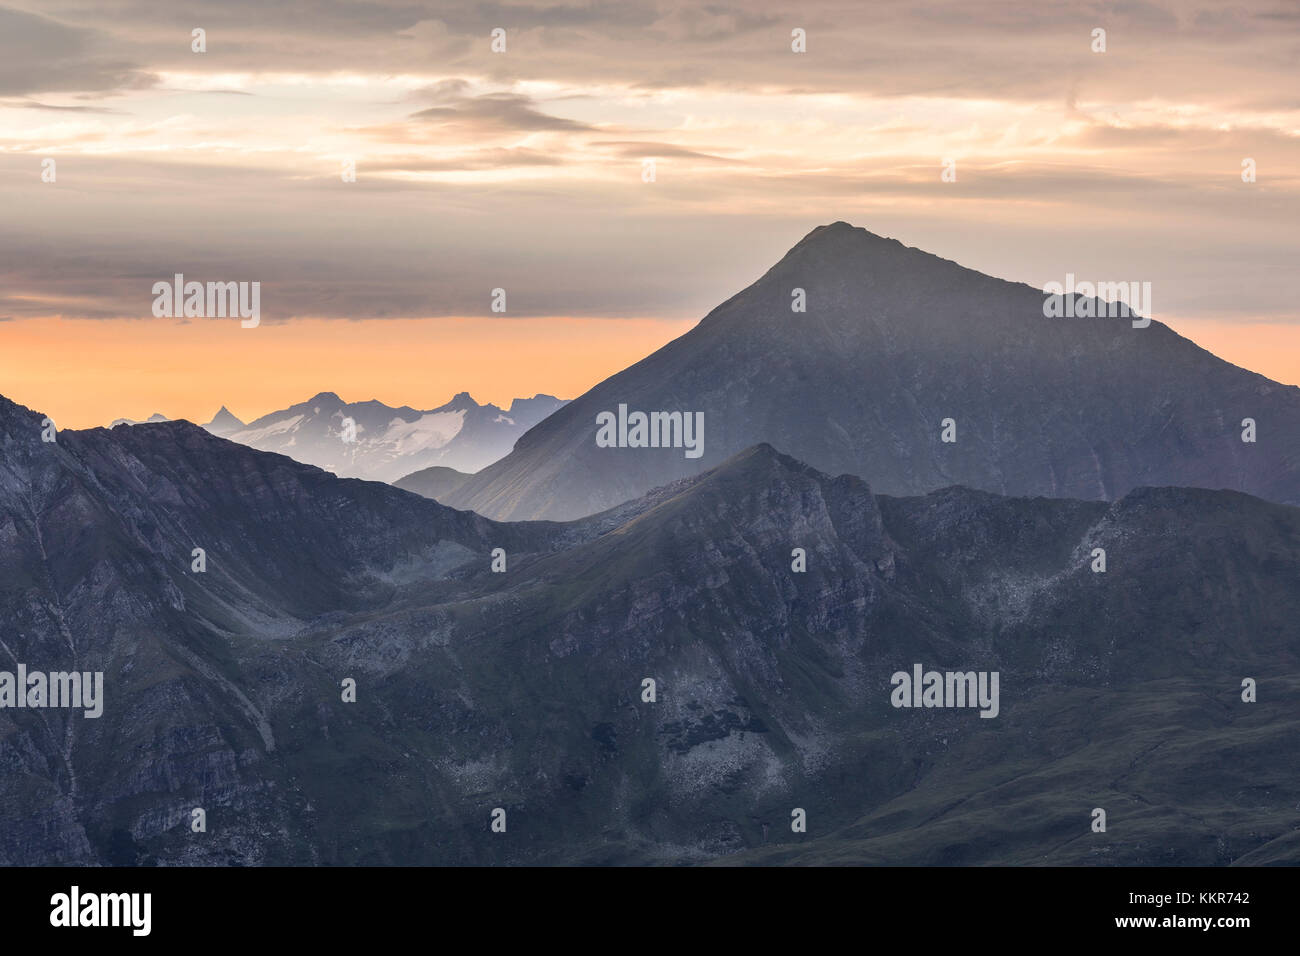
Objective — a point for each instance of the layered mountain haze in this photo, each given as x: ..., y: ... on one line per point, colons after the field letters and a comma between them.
x: 893, y: 342
x: 388, y: 443
x: 523, y: 689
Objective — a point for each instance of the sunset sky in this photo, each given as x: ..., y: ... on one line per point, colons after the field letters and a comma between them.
x: 523, y: 170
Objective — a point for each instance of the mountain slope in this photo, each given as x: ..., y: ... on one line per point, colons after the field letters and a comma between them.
x: 388, y: 443
x: 97, y: 532
x: 893, y: 342
x: 436, y: 482
x: 523, y: 689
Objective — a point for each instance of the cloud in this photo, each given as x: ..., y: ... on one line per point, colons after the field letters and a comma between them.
x: 40, y: 55
x: 892, y: 47
x: 476, y: 160
x: 478, y: 170
x: 495, y: 112
x: 35, y: 105
x: 637, y: 150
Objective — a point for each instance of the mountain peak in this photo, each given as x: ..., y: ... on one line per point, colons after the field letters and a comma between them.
x: 759, y: 489
x: 838, y: 227
x: 541, y: 404
x: 762, y: 458
x: 152, y: 419
x: 461, y: 401
x: 855, y: 351
x: 224, y: 420
x: 843, y: 235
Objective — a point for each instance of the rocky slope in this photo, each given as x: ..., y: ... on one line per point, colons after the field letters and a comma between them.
x: 523, y: 689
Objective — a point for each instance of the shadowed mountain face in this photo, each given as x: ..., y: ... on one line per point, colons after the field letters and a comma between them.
x: 97, y: 539
x: 523, y: 689
x: 384, y: 443
x: 893, y: 342
x: 436, y: 482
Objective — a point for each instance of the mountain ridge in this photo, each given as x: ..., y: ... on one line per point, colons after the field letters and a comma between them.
x: 380, y: 442
x: 522, y: 688
x: 772, y: 684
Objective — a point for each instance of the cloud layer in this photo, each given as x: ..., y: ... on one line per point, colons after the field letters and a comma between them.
x: 524, y: 170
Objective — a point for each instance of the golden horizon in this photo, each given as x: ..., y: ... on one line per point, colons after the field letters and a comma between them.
x: 86, y: 373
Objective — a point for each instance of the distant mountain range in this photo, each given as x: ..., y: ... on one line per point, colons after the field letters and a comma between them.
x: 386, y: 443
x: 155, y: 417
x: 525, y: 689
x: 893, y: 342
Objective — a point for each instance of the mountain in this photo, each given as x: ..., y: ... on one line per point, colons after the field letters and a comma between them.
x: 436, y: 482
x: 523, y: 689
x: 155, y: 417
x: 97, y: 539
x: 388, y: 443
x: 224, y: 423
x: 893, y: 342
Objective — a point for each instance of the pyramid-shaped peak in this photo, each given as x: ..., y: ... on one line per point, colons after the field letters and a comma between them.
x: 224, y: 419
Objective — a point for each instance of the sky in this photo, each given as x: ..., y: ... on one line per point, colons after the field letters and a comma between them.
x: 525, y: 170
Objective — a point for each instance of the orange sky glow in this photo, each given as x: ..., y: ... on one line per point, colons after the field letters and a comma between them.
x: 619, y: 169
x: 85, y: 373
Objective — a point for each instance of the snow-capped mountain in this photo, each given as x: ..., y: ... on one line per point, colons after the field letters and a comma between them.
x: 378, y: 442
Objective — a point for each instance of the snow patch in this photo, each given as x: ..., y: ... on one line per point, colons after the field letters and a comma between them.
x: 251, y: 435
x: 428, y: 431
